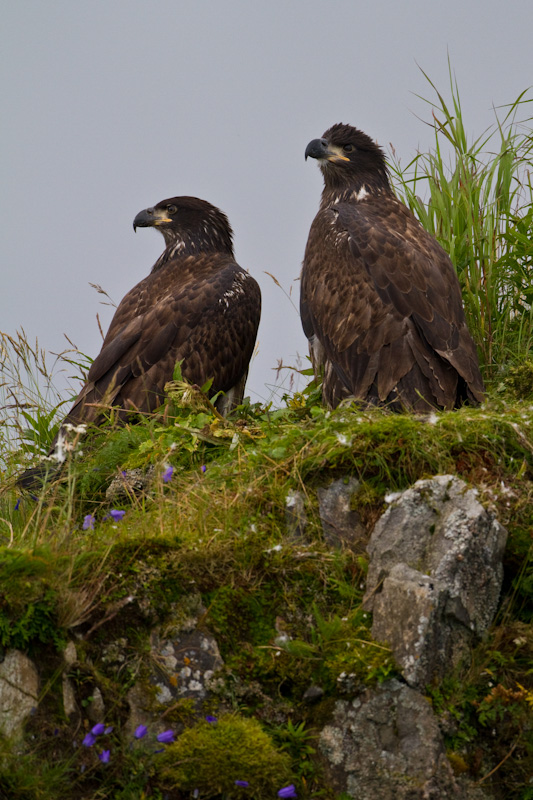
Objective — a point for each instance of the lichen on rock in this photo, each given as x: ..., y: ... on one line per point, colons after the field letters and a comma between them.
x: 435, y: 575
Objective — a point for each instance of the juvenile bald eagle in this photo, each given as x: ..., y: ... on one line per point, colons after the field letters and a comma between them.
x: 196, y: 306
x: 380, y: 300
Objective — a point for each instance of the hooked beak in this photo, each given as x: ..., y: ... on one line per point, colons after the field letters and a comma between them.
x: 150, y: 218
x: 323, y: 151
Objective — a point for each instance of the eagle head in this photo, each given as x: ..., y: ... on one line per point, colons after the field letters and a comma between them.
x: 348, y: 158
x: 193, y: 224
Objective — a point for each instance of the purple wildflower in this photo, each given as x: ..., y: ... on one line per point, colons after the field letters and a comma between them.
x: 17, y: 504
x: 104, y: 756
x: 89, y: 740
x: 98, y: 729
x: 211, y: 719
x: 167, y: 737
x: 108, y: 729
x: 88, y: 522
x: 203, y: 468
x: 244, y: 784
x: 141, y: 731
x: 167, y: 474
x: 288, y: 791
x: 116, y: 514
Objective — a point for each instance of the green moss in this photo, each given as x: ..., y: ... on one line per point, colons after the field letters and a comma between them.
x: 457, y: 762
x: 239, y: 615
x: 211, y: 756
x: 520, y: 380
x: 286, y: 613
x: 340, y: 654
x: 36, y: 623
x: 29, y: 599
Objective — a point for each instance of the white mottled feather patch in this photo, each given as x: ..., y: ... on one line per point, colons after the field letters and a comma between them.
x: 236, y: 289
x: 316, y: 351
x: 362, y: 194
x: 177, y: 248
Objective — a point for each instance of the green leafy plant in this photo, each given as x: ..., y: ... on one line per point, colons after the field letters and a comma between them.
x: 345, y: 653
x: 475, y: 197
x: 298, y: 742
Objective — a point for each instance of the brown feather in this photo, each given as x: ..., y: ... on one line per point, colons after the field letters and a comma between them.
x: 379, y: 293
x: 196, y: 306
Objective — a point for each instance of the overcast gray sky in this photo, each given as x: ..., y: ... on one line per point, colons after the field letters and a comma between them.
x: 112, y: 106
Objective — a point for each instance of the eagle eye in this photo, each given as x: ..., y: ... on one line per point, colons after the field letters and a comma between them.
x: 171, y: 209
x: 348, y: 148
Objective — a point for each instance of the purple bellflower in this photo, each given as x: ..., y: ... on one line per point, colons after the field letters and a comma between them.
x: 140, y: 731
x: 98, y: 729
x: 288, y: 791
x: 167, y: 737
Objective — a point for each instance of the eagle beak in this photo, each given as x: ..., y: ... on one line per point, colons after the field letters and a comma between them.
x: 150, y: 218
x: 323, y: 151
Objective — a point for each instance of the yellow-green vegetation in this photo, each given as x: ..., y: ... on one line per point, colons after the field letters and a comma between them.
x: 213, y: 527
x: 215, y: 757
x: 284, y: 609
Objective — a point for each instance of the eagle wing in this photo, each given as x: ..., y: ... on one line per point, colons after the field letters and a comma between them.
x: 202, y: 313
x: 383, y: 299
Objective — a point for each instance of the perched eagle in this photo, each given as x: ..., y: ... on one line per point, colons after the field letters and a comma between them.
x: 196, y: 306
x: 380, y: 300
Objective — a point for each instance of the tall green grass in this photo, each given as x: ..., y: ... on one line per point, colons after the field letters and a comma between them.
x: 475, y: 196
x: 31, y: 404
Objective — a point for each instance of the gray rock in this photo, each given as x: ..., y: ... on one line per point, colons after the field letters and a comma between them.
x: 129, y: 483
x: 141, y: 712
x: 313, y: 694
x: 182, y: 664
x: 70, y: 655
x: 341, y: 525
x: 295, y: 516
x: 70, y: 706
x: 19, y: 692
x: 435, y: 575
x: 185, y: 664
x: 95, y: 709
x: 386, y: 745
x: 114, y: 653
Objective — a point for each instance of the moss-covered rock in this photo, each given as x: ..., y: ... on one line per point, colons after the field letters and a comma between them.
x: 217, y: 757
x: 284, y: 609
